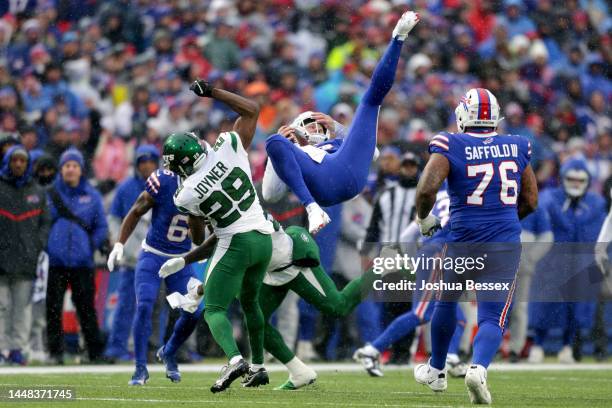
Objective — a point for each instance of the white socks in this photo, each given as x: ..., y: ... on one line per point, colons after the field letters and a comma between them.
x: 235, y: 359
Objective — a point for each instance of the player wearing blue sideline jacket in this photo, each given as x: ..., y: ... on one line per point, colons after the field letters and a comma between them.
x: 491, y: 187
x: 335, y: 171
x: 423, y: 300
x: 168, y: 237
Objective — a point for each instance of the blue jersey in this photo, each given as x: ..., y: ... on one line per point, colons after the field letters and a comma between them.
x: 484, y: 181
x: 330, y: 146
x: 168, y: 233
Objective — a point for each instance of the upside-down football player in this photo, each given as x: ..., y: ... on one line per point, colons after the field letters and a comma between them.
x: 325, y: 172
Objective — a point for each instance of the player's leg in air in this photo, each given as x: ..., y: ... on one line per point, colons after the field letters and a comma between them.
x: 236, y: 269
x: 147, y: 283
x: 349, y: 165
x: 184, y: 326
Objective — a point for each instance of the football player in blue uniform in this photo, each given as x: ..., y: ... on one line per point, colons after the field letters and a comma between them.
x: 168, y: 237
x: 322, y: 172
x: 423, y: 300
x: 491, y: 187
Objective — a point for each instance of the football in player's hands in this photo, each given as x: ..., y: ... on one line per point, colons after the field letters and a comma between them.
x: 201, y: 88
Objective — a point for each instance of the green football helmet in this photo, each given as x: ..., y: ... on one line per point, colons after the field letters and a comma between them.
x: 182, y: 153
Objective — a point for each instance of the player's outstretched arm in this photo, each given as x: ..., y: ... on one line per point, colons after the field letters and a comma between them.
x: 143, y: 203
x: 248, y: 109
x: 528, y: 198
x: 433, y: 176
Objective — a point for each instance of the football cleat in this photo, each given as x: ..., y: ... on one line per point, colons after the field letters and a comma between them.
x: 405, y: 24
x: 229, y: 373
x: 172, y: 370
x: 536, y: 355
x: 369, y: 358
x: 431, y: 377
x: 317, y: 218
x: 256, y: 378
x: 455, y: 367
x: 476, y: 383
x: 140, y: 377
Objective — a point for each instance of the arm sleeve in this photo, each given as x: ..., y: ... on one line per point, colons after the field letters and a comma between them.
x: 153, y: 185
x: 439, y: 144
x: 100, y: 232
x: 272, y: 187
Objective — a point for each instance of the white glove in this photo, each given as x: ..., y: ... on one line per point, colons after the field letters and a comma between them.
x: 192, y: 289
x: 317, y: 218
x: 172, y: 265
x: 406, y: 23
x: 428, y: 225
x: 188, y: 302
x: 601, y: 257
x: 115, y: 256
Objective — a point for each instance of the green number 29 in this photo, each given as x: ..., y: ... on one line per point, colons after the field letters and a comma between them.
x: 219, y: 204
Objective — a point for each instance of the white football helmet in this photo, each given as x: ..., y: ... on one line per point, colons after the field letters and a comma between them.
x: 477, y: 108
x: 307, y: 127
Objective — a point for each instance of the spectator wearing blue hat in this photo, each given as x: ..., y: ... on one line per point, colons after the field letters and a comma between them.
x: 78, y: 228
x: 146, y: 162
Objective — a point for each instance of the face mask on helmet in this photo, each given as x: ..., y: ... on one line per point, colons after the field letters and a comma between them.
x: 575, y: 183
x: 309, y: 129
x: 478, y: 108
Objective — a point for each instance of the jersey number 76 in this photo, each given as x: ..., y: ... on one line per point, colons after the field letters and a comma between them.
x: 508, y: 192
x: 220, y: 204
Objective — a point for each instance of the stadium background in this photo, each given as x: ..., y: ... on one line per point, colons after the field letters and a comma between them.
x: 106, y: 76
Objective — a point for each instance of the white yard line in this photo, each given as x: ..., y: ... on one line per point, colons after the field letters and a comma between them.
x: 321, y: 367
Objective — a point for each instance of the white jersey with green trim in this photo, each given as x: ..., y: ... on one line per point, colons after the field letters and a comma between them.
x: 222, y: 190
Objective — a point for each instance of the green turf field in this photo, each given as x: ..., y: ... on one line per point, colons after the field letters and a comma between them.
x: 347, y: 389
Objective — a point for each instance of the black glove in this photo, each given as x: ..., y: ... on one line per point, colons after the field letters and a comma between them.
x: 201, y: 88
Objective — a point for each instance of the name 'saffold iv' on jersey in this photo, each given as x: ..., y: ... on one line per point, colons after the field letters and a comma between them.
x: 485, y: 175
x: 222, y: 190
x: 169, y: 231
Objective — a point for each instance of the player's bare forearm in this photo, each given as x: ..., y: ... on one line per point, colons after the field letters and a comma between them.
x: 528, y: 198
x: 433, y: 176
x: 247, y: 109
x: 197, y: 227
x: 203, y: 251
x: 143, y: 203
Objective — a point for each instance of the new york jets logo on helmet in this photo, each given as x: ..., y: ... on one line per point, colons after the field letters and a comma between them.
x: 183, y: 153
